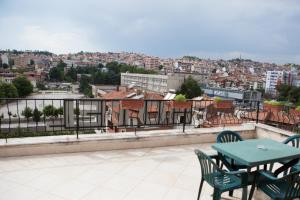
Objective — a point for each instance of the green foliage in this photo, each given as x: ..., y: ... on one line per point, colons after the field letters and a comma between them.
x: 190, y: 88
x: 288, y: 93
x: 71, y: 75
x: 180, y: 98
x: 36, y: 115
x: 274, y: 103
x: 23, y: 85
x: 84, y: 86
x: 27, y: 112
x: 8, y: 90
x: 49, y: 111
x: 218, y: 99
x: 59, y: 111
x: 41, y: 86
x: 56, y: 74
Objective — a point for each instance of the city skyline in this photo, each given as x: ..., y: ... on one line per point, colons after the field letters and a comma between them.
x: 263, y: 31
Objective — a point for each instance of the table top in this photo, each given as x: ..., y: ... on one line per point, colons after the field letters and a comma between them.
x: 257, y: 151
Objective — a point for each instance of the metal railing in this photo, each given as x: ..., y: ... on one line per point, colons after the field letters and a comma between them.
x: 20, y: 117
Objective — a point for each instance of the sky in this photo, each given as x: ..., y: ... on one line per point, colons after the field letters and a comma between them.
x: 266, y: 30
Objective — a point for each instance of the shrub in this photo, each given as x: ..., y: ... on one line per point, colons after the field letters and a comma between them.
x: 180, y: 98
x: 59, y: 111
x: 274, y: 103
x: 218, y: 99
x: 27, y: 112
x: 298, y: 108
x: 49, y: 111
x: 36, y: 115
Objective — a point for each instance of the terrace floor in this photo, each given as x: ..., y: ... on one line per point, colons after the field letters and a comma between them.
x: 168, y: 173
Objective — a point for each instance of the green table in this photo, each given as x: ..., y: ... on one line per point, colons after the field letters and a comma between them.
x: 257, y: 152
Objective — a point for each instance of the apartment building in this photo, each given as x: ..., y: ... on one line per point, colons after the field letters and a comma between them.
x: 280, y: 77
x: 272, y: 80
x: 151, y: 62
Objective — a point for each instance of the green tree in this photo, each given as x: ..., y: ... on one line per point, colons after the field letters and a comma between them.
x: 84, y: 86
x: 71, y: 75
x: 27, y: 112
x: 49, y: 111
x: 56, y: 74
x: 8, y: 90
x: 59, y: 111
x: 36, y: 115
x: 23, y: 86
x: 190, y: 88
x: 61, y: 65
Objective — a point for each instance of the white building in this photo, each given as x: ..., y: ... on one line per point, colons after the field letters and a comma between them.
x: 152, y: 82
x: 272, y: 80
x: 5, y: 59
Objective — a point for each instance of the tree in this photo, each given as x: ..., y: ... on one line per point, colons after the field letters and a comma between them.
x: 49, y: 111
x: 61, y: 65
x: 71, y: 75
x: 8, y: 90
x: 23, y: 86
x: 36, y: 115
x: 55, y: 74
x: 40, y: 85
x: 84, y: 86
x: 27, y: 112
x: 190, y: 88
x: 59, y: 111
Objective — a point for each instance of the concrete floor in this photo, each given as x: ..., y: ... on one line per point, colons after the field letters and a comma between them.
x: 169, y: 173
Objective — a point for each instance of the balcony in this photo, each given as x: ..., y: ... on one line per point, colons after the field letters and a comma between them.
x: 151, y: 160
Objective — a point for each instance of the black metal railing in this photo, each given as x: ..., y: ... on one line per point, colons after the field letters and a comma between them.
x: 20, y: 117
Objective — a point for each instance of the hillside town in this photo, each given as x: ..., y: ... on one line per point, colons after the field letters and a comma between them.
x: 218, y: 77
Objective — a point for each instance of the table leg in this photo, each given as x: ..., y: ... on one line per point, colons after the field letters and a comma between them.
x: 245, y: 189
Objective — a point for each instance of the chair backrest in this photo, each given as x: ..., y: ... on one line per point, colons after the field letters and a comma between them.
x: 208, y: 167
x: 293, y: 189
x: 293, y: 140
x: 228, y: 136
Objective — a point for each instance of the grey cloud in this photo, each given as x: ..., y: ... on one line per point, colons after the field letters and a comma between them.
x: 264, y: 30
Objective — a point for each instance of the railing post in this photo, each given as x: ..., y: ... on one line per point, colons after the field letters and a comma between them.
x: 77, y: 118
x: 257, y: 111
x: 184, y: 116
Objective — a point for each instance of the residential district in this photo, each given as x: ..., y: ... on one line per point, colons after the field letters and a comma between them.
x: 234, y: 79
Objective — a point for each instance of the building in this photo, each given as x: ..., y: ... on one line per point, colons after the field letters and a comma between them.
x: 275, y: 78
x: 272, y: 80
x: 239, y: 95
x: 151, y: 63
x: 152, y: 82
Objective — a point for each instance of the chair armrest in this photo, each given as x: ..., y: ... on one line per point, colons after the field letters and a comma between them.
x: 236, y: 172
x: 268, y: 176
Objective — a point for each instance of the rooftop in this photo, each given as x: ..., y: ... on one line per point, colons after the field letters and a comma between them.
x: 161, y: 173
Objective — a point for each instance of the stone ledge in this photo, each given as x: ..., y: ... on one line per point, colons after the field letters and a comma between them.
x: 69, y: 144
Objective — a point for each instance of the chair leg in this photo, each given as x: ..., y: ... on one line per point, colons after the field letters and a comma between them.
x: 200, y: 188
x: 217, y: 195
x: 252, y: 187
x: 231, y: 193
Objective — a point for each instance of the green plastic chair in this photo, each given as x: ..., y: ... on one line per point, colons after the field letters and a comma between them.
x: 225, y: 137
x: 284, y: 188
x: 219, y: 179
x: 295, y: 142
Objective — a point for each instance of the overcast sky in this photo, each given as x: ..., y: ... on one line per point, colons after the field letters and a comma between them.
x: 261, y: 30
